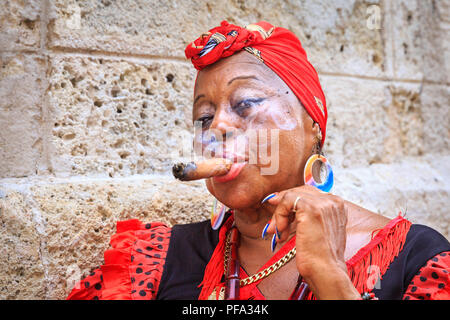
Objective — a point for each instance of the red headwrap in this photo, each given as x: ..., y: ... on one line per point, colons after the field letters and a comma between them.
x: 278, y: 48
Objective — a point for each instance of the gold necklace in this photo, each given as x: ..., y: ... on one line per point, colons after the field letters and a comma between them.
x: 263, y: 273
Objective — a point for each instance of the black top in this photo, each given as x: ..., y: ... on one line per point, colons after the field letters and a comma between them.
x: 422, y: 243
x: 191, y: 247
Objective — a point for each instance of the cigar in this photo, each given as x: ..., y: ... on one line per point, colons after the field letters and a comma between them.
x: 201, y: 170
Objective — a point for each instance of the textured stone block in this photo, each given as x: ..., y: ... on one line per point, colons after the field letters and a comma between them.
x: 21, y: 95
x: 80, y: 217
x: 335, y: 34
x: 116, y: 117
x: 381, y: 122
x: 356, y: 127
x: 339, y: 36
x: 22, y: 269
x: 443, y: 10
x: 436, y: 118
x: 404, y: 122
x: 416, y: 186
x: 419, y: 43
x: 418, y: 122
x: 445, y: 28
x: 20, y: 25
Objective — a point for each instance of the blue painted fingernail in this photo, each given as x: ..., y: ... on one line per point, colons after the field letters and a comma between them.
x: 274, y: 243
x: 270, y: 196
x: 263, y: 234
x: 278, y: 233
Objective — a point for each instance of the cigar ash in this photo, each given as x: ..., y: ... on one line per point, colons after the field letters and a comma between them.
x: 181, y: 170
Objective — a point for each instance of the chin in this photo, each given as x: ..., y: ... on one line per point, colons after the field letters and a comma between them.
x: 243, y: 192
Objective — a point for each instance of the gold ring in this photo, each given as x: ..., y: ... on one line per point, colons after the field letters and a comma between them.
x: 295, y: 204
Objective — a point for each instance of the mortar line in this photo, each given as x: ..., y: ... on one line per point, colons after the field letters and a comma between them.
x: 384, y: 36
x: 114, y: 55
x: 22, y: 51
x: 391, y: 36
x: 45, y: 105
x: 37, y: 217
x: 44, y: 180
x: 383, y: 79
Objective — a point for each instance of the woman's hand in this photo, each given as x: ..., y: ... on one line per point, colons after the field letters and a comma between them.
x: 320, y: 221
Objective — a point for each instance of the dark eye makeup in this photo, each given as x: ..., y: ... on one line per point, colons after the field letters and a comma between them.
x: 240, y: 108
x: 205, y: 120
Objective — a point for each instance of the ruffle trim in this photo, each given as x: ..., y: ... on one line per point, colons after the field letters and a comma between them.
x: 90, y: 288
x: 133, y: 265
x: 371, y: 262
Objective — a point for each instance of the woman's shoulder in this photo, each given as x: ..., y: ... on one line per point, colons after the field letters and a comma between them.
x: 133, y: 264
x: 420, y: 232
x: 195, y: 231
x: 192, y: 243
x: 362, y: 226
x: 425, y: 242
x: 368, y: 228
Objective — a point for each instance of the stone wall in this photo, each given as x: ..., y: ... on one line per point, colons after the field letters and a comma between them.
x: 95, y: 101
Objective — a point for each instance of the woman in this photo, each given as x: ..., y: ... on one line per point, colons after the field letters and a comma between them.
x: 282, y: 238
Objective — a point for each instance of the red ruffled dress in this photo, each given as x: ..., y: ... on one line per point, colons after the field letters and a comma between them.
x: 134, y: 265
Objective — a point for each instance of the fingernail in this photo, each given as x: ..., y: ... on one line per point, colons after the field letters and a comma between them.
x: 274, y: 243
x: 270, y: 196
x: 263, y: 234
x: 278, y: 233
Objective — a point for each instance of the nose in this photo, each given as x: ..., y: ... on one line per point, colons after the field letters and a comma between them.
x: 224, y: 123
x: 223, y: 133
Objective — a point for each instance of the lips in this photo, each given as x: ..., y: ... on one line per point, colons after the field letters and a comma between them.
x: 235, y: 169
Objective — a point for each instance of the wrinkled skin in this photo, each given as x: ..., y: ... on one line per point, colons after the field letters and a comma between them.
x: 241, y: 93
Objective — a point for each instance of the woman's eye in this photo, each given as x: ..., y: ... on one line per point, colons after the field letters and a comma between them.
x: 205, y: 120
x: 243, y: 105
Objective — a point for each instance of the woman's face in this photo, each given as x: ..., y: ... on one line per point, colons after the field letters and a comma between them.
x: 248, y: 114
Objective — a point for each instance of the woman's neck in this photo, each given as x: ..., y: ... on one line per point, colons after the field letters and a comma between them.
x: 250, y: 222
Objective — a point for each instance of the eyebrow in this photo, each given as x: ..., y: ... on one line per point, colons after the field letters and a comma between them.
x: 243, y: 78
x: 198, y: 97
x: 229, y: 82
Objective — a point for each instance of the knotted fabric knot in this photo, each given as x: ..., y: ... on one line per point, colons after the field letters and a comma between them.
x: 223, y: 41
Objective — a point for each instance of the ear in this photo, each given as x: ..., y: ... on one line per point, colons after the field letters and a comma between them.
x: 316, y: 130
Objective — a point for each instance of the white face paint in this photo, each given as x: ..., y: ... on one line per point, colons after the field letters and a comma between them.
x: 254, y: 136
x: 244, y: 112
